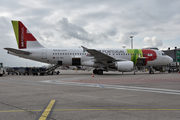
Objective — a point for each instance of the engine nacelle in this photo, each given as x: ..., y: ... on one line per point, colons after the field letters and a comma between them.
x: 124, y: 66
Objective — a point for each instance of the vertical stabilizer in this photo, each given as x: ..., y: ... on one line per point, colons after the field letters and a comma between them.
x: 24, y: 38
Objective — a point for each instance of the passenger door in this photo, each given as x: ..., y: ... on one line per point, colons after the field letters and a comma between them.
x: 44, y: 54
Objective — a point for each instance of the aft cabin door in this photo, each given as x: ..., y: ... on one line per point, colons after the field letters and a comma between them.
x: 44, y: 54
x: 76, y: 61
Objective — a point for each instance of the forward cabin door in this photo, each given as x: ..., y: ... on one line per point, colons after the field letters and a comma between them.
x: 44, y: 54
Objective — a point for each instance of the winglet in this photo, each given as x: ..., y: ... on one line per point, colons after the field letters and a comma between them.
x: 84, y: 48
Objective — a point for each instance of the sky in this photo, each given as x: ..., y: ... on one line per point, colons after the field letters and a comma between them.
x: 90, y: 23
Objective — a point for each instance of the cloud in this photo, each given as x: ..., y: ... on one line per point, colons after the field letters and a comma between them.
x: 153, y: 41
x: 100, y: 23
x: 71, y: 31
x: 124, y: 38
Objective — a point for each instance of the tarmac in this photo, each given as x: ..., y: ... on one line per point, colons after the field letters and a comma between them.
x: 77, y: 95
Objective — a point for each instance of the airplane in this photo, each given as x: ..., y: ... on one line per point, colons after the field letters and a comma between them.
x: 122, y: 60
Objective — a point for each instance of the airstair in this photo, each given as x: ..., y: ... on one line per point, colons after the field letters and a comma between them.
x: 51, y: 69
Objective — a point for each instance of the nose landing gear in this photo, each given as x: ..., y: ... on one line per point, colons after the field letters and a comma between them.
x: 151, y: 71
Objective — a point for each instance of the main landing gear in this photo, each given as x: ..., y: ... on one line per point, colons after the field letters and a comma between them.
x: 99, y: 72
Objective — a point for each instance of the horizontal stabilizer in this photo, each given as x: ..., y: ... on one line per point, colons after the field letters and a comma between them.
x: 16, y: 51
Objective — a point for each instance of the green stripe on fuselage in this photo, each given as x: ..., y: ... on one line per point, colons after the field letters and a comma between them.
x: 16, y: 30
x: 135, y: 53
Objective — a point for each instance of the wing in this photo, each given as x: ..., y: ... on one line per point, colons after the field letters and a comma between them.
x: 101, y: 57
x: 16, y: 51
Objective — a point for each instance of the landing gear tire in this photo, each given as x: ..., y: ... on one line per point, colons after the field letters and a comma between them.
x: 100, y: 72
x: 95, y: 71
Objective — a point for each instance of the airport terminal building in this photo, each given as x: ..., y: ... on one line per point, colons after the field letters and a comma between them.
x: 175, y: 54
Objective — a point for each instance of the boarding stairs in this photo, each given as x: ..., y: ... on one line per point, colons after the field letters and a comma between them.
x: 51, y: 69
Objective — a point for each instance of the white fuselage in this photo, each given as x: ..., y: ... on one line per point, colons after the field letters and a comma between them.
x: 67, y: 56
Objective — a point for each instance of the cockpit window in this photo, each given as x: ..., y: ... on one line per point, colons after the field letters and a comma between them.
x: 163, y: 54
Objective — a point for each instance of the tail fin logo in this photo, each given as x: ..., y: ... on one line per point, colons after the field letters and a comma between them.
x: 22, y: 35
x: 22, y: 42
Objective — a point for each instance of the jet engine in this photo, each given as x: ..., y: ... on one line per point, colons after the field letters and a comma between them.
x: 124, y: 66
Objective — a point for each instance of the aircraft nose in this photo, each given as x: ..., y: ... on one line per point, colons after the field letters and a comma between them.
x: 170, y: 60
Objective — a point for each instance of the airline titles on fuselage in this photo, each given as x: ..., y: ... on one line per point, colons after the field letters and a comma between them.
x: 103, y: 51
x: 112, y: 51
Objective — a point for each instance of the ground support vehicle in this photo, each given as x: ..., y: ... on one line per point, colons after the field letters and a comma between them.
x: 12, y: 71
x: 35, y: 71
x: 24, y: 71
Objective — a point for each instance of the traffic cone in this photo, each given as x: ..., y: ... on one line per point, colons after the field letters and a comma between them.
x: 92, y: 74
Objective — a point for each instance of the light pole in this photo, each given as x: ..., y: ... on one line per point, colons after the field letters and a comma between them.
x: 131, y: 41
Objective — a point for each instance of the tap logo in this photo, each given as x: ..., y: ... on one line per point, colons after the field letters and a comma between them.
x: 22, y: 38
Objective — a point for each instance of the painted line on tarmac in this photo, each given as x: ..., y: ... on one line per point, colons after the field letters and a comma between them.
x: 127, y: 109
x: 46, y: 113
x: 12, y: 111
x: 133, y: 88
x: 22, y: 82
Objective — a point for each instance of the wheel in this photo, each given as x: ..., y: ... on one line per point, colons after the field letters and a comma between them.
x: 100, y: 72
x: 95, y: 71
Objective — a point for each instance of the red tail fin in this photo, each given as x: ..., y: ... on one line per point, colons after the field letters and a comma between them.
x: 23, y: 36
